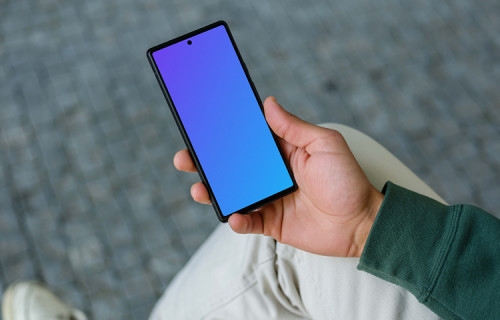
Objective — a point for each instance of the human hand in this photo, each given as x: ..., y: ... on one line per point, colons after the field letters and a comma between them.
x: 335, y: 205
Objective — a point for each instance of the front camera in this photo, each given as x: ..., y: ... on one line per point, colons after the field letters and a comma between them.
x: 190, y: 42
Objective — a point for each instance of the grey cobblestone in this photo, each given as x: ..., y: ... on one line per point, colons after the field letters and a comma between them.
x: 42, y: 222
x: 89, y: 199
x: 12, y: 243
x: 125, y: 257
x: 118, y: 232
x: 86, y: 255
x: 56, y: 273
x: 106, y: 305
x: 165, y: 262
x: 17, y: 266
x: 8, y: 221
x: 135, y: 285
x: 52, y: 247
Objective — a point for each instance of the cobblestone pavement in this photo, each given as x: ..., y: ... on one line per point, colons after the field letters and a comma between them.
x: 89, y: 200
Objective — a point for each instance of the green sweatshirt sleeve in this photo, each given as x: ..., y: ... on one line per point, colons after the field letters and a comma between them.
x: 447, y: 256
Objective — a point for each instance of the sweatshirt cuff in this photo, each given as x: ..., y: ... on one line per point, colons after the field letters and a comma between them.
x: 411, y: 236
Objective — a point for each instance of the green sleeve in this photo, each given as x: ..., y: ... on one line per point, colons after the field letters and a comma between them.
x: 447, y: 256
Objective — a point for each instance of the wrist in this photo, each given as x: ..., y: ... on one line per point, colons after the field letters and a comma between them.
x: 366, y: 224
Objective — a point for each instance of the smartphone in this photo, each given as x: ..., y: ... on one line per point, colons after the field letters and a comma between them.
x: 220, y: 116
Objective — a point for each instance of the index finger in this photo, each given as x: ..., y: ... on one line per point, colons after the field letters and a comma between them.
x: 183, y: 161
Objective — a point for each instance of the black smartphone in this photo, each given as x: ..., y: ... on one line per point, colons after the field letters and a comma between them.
x: 220, y: 116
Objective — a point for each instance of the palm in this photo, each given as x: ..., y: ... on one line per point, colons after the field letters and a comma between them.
x: 334, y: 207
x: 322, y: 215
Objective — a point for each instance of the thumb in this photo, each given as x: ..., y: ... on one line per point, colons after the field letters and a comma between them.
x: 288, y: 127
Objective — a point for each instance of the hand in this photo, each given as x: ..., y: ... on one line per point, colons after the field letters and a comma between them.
x: 335, y: 205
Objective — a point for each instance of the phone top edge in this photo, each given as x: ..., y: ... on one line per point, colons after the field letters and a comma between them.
x: 185, y: 36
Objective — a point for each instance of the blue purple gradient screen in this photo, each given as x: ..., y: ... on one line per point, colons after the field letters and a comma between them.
x: 223, y: 120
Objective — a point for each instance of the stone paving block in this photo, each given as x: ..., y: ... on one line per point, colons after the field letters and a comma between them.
x: 99, y: 190
x: 401, y: 148
x: 79, y: 228
x: 154, y: 235
x: 109, y: 305
x: 120, y: 152
x: 10, y: 118
x: 89, y: 160
x: 17, y: 266
x: 50, y: 141
x: 87, y: 255
x: 56, y: 273
x: 37, y: 200
x: 42, y: 222
x: 13, y: 134
x: 165, y: 263
x: 112, y: 128
x: 464, y: 151
x: 454, y: 188
x: 135, y: 285
x: 8, y: 220
x: 492, y: 149
x: 66, y: 183
x: 126, y: 257
x: 24, y: 159
x: 102, y: 282
x: 431, y: 147
x: 74, y: 204
x: 118, y: 231
x: 481, y: 173
x: 52, y: 247
x: 188, y: 221
x: 75, y: 118
x: 12, y: 243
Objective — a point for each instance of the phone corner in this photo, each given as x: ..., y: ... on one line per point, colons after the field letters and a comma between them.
x: 221, y: 22
x: 222, y: 218
x: 149, y: 53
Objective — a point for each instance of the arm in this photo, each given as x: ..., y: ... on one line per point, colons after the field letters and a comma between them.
x: 447, y: 256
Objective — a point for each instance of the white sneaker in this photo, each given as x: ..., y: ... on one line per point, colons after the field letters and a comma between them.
x: 29, y: 300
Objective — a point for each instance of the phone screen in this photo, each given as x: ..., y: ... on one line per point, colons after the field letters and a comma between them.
x: 212, y: 97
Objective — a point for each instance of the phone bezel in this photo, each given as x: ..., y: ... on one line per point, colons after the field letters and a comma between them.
x: 185, y: 137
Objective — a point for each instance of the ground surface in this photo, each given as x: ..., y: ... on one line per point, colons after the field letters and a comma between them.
x: 89, y: 200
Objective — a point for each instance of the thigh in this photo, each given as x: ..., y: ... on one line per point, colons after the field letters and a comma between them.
x: 333, y: 288
x: 231, y: 276
x: 379, y: 164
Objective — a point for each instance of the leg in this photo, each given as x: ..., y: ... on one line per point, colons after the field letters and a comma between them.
x: 379, y: 164
x: 231, y: 276
x: 252, y: 277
